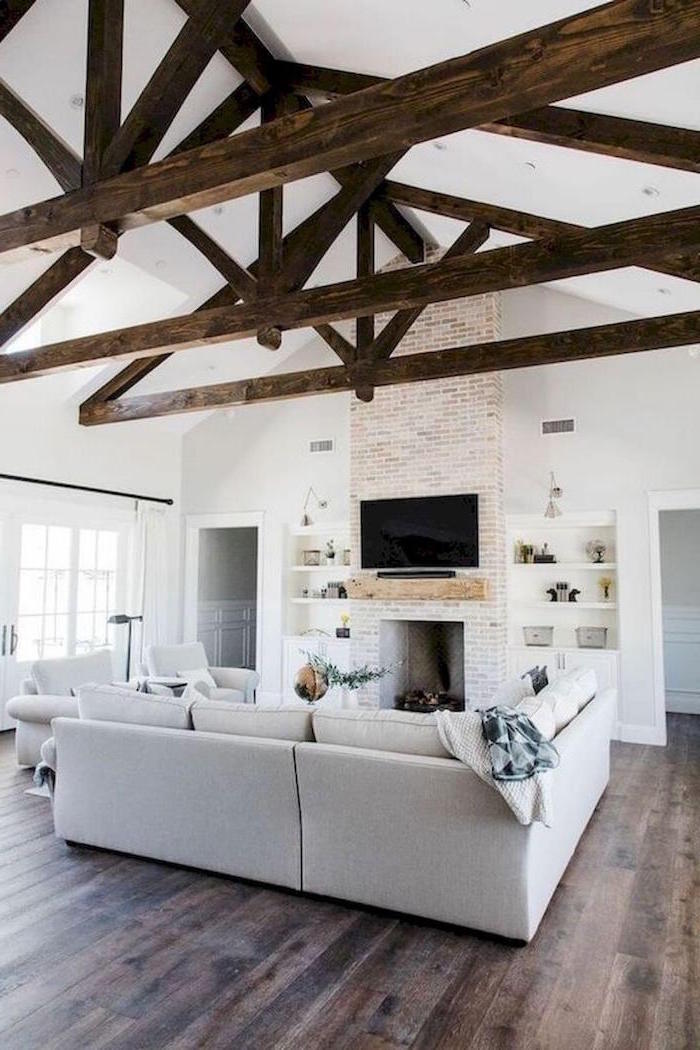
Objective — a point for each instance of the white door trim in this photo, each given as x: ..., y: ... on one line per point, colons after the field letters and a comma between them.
x: 671, y: 499
x: 193, y: 524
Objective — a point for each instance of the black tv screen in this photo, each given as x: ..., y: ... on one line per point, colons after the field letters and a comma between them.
x: 432, y: 532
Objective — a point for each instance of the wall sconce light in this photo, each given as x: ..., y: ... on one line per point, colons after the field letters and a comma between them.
x: 306, y: 518
x: 552, y: 509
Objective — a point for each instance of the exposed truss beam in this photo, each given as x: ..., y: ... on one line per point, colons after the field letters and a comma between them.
x: 587, y: 251
x: 11, y: 11
x: 62, y: 162
x: 103, y: 91
x: 177, y: 73
x: 222, y: 121
x: 522, y: 223
x: 365, y: 325
x: 585, y: 51
x: 53, y: 282
x: 475, y: 235
x: 578, y: 345
x: 243, y: 49
x: 636, y: 140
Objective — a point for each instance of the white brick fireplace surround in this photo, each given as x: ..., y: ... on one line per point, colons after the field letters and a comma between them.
x: 438, y: 438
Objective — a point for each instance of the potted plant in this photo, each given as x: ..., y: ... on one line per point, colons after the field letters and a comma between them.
x: 320, y: 674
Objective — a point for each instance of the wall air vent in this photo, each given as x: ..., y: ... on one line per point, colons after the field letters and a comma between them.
x: 558, y: 426
x: 324, y: 445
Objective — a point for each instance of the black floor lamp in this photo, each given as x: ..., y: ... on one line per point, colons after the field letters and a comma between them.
x: 121, y: 618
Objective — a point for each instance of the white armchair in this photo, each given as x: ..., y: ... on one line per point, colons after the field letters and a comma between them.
x: 175, y: 661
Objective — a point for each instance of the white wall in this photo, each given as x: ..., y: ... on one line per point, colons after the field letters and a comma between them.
x: 257, y: 459
x: 638, y: 429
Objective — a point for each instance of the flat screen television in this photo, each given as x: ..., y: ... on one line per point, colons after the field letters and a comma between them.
x: 430, y: 532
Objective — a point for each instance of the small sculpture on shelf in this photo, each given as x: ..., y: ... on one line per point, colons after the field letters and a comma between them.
x: 596, y: 549
x: 552, y: 592
x: 330, y: 553
x: 344, y: 631
x: 605, y: 583
x: 573, y: 594
x: 545, y: 556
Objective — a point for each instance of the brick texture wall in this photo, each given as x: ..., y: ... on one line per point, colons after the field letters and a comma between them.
x: 436, y: 438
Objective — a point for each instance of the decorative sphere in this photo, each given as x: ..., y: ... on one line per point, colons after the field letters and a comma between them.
x: 310, y: 684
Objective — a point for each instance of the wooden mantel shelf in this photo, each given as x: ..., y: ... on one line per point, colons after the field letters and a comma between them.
x: 457, y: 589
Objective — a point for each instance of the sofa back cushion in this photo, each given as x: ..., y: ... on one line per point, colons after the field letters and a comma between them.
x: 63, y: 676
x: 569, y: 694
x: 111, y: 703
x: 540, y: 714
x: 383, y: 730
x: 169, y: 660
x: 287, y: 722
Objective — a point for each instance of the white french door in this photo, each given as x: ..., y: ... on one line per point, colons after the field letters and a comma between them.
x: 61, y: 582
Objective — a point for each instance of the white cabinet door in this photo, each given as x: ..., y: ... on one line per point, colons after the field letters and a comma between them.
x: 603, y: 663
x: 524, y: 659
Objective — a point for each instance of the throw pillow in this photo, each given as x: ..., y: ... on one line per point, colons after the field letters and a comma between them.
x: 196, y: 675
x: 511, y: 692
x: 540, y: 714
x: 538, y: 677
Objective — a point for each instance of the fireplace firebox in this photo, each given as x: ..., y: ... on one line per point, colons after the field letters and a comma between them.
x: 427, y: 661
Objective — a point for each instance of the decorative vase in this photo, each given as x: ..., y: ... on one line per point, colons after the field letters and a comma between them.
x: 310, y: 684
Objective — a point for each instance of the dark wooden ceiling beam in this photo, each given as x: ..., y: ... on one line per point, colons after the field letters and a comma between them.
x: 469, y: 241
x: 11, y: 12
x: 635, y: 140
x: 53, y: 282
x: 365, y: 267
x: 588, y: 50
x: 224, y: 120
x: 175, y: 76
x: 243, y: 49
x: 103, y: 91
x: 62, y: 162
x: 270, y: 247
x: 558, y: 347
x: 631, y: 243
x: 521, y: 223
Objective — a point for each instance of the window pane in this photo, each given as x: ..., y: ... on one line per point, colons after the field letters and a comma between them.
x: 88, y: 540
x: 56, y: 591
x: 33, y: 547
x: 55, y: 636
x: 59, y: 547
x: 86, y: 591
x: 107, y: 544
x: 29, y: 638
x: 31, y: 591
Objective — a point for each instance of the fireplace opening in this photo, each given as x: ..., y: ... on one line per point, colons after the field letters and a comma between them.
x: 427, y: 661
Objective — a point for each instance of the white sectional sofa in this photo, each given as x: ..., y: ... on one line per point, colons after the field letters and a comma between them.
x: 380, y: 816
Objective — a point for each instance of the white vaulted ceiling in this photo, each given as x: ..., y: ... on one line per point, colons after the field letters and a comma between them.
x: 157, y: 273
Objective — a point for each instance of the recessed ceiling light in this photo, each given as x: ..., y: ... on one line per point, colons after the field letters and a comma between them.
x: 441, y: 146
x: 664, y: 291
x: 694, y: 351
x: 105, y: 271
x: 77, y: 101
x: 161, y: 264
x: 651, y: 191
x: 12, y: 173
x: 219, y: 209
x: 530, y: 165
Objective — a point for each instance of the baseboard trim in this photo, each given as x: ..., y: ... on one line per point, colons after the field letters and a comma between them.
x: 683, y: 703
x: 635, y: 734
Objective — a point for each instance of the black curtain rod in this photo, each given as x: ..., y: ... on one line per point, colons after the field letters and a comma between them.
x: 87, y: 488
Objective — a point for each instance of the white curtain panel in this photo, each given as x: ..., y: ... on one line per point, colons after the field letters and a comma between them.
x: 151, y: 576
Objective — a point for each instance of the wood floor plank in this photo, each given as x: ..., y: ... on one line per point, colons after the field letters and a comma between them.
x: 102, y: 950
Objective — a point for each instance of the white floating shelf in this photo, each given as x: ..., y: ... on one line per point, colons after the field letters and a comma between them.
x: 608, y: 606
x: 573, y: 566
x: 329, y: 570
x: 320, y: 601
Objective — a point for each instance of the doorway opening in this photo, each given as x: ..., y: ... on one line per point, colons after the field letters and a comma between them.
x: 223, y: 587
x: 679, y: 542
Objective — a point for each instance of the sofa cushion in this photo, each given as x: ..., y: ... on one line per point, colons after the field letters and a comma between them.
x: 42, y: 708
x: 197, y: 675
x: 286, y: 722
x: 569, y: 694
x: 512, y: 691
x: 59, y: 677
x: 540, y: 714
x: 383, y: 730
x: 110, y: 703
x: 584, y: 684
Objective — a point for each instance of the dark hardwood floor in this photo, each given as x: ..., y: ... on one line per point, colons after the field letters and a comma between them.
x: 98, y: 950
